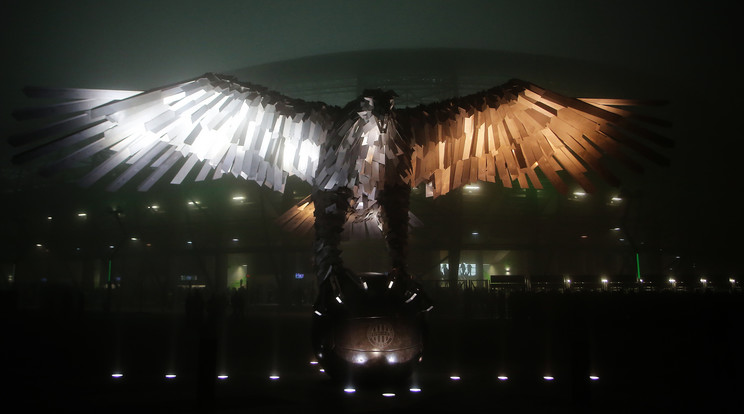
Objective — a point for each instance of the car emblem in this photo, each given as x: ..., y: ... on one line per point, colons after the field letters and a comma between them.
x: 380, y: 334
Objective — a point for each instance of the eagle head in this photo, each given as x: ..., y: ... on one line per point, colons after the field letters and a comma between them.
x: 381, y: 104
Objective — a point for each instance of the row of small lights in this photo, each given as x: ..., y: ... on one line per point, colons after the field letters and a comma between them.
x: 240, y: 198
x: 578, y: 194
x: 156, y: 207
x: 703, y: 281
x: 352, y: 390
x: 672, y: 281
x: 153, y: 207
x: 111, y: 246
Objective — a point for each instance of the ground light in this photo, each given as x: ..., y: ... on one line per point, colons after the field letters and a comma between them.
x: 222, y: 377
x: 117, y: 375
x: 170, y: 376
x: 273, y: 377
x: 388, y: 394
x: 548, y: 378
x: 455, y: 378
x: 414, y: 389
x: 502, y: 377
x: 349, y: 390
x: 594, y: 378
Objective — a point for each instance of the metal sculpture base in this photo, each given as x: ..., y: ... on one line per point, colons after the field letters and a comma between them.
x: 371, y: 328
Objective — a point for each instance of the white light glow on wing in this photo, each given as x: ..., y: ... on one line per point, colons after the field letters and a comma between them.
x: 250, y: 135
x: 309, y: 153
x: 145, y: 141
x: 258, y: 117
x: 372, y: 136
x: 265, y: 144
x: 202, y: 144
x: 188, y: 107
x: 149, y: 140
x: 168, y: 100
x: 208, y: 117
x: 290, y: 149
x: 126, y: 143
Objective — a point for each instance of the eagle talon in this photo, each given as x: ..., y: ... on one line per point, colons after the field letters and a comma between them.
x: 331, y: 290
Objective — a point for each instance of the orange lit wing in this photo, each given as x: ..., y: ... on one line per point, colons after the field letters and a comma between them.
x: 212, y: 123
x: 509, y: 132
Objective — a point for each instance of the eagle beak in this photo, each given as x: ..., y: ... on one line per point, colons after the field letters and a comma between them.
x: 382, y: 124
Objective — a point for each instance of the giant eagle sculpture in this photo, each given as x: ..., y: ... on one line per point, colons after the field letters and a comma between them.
x: 361, y: 160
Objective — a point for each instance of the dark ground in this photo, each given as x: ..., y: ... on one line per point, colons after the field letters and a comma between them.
x: 661, y: 352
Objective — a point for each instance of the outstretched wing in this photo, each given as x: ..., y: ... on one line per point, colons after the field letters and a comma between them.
x: 213, y: 121
x: 510, y: 131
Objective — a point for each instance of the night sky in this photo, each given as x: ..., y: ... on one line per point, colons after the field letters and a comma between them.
x: 143, y: 44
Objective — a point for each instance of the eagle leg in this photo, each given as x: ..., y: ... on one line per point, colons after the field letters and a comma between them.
x: 331, y: 210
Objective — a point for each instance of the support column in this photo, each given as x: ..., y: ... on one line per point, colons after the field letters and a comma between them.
x: 453, y: 262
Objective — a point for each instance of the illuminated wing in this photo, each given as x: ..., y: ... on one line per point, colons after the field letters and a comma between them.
x: 212, y: 123
x: 508, y: 132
